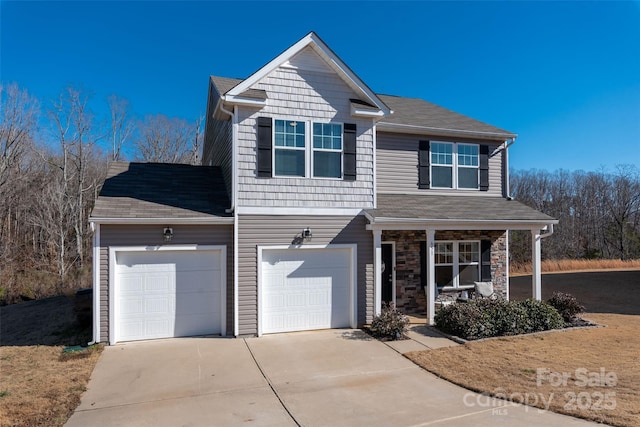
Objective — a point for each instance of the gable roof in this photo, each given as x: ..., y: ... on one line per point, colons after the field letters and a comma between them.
x: 313, y: 41
x: 420, y: 115
x: 409, y: 115
x: 160, y: 191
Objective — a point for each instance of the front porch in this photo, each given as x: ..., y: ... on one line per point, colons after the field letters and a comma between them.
x: 432, y: 242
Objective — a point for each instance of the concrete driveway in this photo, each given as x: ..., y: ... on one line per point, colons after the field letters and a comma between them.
x: 337, y: 378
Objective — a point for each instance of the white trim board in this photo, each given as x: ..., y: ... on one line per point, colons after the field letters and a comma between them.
x: 353, y: 315
x: 113, y: 288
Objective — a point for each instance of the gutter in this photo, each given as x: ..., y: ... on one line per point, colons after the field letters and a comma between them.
x: 386, y: 126
x: 549, y: 232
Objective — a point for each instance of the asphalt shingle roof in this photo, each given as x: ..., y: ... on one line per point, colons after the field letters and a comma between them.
x: 455, y: 208
x: 406, y: 111
x: 418, y: 112
x: 160, y: 190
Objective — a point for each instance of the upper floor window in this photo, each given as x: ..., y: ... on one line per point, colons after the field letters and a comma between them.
x: 454, y: 165
x: 300, y: 148
x: 290, y: 150
x: 327, y: 150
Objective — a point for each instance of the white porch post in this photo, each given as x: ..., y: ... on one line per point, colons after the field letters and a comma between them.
x: 377, y: 287
x: 430, y: 291
x: 536, y: 278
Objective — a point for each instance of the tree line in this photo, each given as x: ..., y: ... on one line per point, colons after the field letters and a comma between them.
x: 598, y: 213
x: 53, y: 159
x: 54, y: 155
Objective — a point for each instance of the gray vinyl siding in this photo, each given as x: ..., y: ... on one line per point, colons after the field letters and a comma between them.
x: 217, y: 150
x: 254, y: 231
x: 151, y: 235
x: 304, y: 89
x: 397, y: 165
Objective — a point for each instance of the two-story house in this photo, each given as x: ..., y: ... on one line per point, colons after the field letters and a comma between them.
x: 318, y: 200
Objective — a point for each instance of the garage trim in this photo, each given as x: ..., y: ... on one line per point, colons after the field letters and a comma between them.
x: 113, y: 286
x: 353, y: 249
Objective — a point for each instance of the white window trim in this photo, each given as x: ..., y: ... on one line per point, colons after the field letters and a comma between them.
x: 328, y: 150
x: 455, y: 265
x: 308, y: 148
x: 454, y: 165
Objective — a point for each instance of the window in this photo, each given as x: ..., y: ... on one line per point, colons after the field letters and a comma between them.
x: 454, y: 165
x: 457, y: 263
x: 290, y: 142
x: 327, y: 150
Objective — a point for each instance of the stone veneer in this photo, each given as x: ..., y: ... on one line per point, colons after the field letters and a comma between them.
x: 410, y: 295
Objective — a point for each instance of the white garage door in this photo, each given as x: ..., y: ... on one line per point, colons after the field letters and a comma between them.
x: 304, y: 289
x: 164, y: 294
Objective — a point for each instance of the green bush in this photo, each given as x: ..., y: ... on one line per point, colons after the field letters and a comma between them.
x: 567, y: 305
x: 490, y: 318
x: 391, y: 324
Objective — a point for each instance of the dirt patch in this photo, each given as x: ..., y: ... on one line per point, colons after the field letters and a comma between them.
x: 39, y: 385
x: 600, y: 292
x: 510, y: 367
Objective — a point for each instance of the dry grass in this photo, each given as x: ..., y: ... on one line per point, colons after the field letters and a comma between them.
x: 564, y: 265
x: 508, y: 366
x: 39, y: 386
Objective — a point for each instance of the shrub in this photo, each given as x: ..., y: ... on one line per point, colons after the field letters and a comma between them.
x: 541, y: 316
x: 567, y: 305
x: 489, y: 318
x: 466, y: 320
x: 391, y: 324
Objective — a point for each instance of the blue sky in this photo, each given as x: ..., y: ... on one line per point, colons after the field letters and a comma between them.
x: 564, y: 76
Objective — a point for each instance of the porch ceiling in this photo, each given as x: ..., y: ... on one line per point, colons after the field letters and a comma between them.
x: 456, y: 211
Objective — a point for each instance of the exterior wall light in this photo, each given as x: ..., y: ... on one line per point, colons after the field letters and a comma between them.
x: 167, y: 234
x: 306, y: 234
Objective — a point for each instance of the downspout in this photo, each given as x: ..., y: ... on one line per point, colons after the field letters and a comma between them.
x: 506, y: 166
x: 234, y: 117
x: 548, y: 233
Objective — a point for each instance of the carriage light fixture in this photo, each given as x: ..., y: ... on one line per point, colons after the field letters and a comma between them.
x: 306, y: 234
x: 167, y: 234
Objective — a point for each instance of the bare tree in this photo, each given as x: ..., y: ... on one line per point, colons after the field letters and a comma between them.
x: 121, y: 125
x: 18, y: 114
x: 164, y: 140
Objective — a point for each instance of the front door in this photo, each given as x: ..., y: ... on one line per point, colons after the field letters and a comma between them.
x: 387, y: 272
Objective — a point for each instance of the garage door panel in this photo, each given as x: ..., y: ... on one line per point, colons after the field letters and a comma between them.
x: 305, y: 289
x: 163, y: 294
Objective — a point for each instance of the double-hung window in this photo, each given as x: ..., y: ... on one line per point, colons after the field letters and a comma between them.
x: 457, y: 263
x: 295, y: 155
x: 454, y: 165
x: 290, y: 148
x: 327, y: 150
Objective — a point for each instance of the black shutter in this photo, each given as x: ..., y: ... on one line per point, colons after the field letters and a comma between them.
x: 485, y: 260
x: 264, y: 147
x: 484, y: 167
x: 423, y: 164
x: 349, y: 154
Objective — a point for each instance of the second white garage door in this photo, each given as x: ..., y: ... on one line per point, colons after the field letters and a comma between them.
x: 305, y: 289
x: 162, y: 294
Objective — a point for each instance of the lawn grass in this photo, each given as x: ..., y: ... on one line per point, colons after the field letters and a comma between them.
x: 509, y: 366
x: 575, y: 265
x: 39, y: 384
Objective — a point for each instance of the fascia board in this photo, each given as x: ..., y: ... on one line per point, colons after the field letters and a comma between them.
x: 334, y: 61
x: 404, y: 224
x: 402, y: 128
x: 182, y: 221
